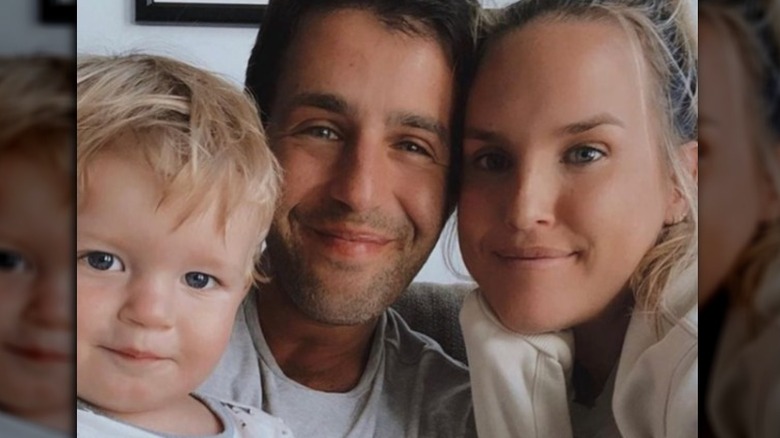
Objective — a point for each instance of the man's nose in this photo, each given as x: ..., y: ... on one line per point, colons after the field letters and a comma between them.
x: 360, y: 178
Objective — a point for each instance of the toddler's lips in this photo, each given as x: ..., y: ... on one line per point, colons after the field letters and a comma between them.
x: 135, y: 354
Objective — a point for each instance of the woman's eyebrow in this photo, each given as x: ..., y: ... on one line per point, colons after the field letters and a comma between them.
x: 485, y: 135
x: 591, y: 123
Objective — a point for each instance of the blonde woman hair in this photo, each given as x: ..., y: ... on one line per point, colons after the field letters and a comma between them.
x: 663, y: 31
x: 37, y: 103
x: 763, y: 72
x: 199, y: 133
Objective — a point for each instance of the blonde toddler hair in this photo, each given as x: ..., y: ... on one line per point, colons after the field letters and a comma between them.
x: 198, y: 132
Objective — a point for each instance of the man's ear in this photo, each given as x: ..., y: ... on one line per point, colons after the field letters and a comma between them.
x: 688, y: 153
x: 771, y: 197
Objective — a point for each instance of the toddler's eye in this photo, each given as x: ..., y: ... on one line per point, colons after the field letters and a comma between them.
x: 583, y: 155
x: 103, y: 261
x: 199, y: 280
x: 11, y: 261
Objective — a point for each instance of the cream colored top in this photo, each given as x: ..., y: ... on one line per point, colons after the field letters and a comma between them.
x: 520, y: 383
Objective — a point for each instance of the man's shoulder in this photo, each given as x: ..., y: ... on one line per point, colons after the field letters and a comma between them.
x: 415, y: 355
x: 237, y: 374
x: 433, y: 387
x: 432, y: 310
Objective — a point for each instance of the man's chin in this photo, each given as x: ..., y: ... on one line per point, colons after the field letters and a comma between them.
x: 348, y: 299
x: 336, y: 292
x: 337, y: 304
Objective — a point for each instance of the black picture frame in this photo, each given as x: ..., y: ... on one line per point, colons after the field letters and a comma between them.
x: 57, y: 11
x: 152, y: 12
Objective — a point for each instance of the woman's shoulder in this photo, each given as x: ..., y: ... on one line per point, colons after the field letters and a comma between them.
x: 656, y: 389
x: 679, y: 308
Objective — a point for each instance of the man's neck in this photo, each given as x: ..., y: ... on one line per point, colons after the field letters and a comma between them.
x: 324, y: 357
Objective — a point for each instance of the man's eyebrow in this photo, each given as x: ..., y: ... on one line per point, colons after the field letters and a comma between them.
x: 325, y: 101
x: 425, y: 123
x: 591, y: 123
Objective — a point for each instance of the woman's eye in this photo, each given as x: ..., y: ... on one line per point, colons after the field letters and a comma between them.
x: 492, y: 162
x: 322, y: 132
x: 12, y: 261
x: 583, y: 155
x: 199, y: 280
x: 103, y: 261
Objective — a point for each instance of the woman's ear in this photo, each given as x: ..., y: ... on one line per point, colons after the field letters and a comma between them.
x: 677, y: 207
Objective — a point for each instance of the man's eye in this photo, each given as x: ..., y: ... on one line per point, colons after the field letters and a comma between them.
x: 12, y: 261
x: 413, y: 147
x: 492, y: 162
x: 199, y: 280
x: 582, y: 155
x: 322, y: 132
x: 103, y: 261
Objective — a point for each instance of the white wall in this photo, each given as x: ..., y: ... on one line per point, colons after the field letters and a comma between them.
x: 106, y: 26
x: 21, y: 33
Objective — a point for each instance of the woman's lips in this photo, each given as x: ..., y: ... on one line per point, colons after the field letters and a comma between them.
x: 534, y: 256
x: 534, y: 252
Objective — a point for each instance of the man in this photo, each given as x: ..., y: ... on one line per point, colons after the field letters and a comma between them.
x: 359, y: 100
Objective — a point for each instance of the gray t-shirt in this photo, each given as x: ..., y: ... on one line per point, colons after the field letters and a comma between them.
x: 410, y: 387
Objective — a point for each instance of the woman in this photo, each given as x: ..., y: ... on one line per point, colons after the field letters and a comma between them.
x: 577, y: 218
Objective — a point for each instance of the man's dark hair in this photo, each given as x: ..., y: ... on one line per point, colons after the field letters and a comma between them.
x: 449, y: 22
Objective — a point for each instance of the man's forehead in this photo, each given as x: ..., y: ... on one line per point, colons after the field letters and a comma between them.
x: 343, y: 26
x: 360, y: 54
x: 395, y: 24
